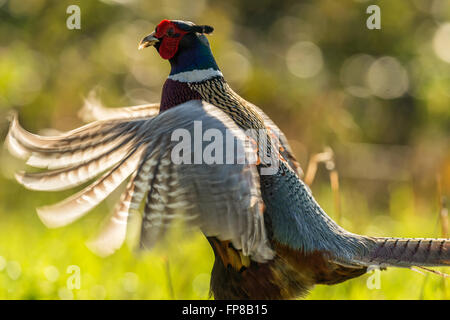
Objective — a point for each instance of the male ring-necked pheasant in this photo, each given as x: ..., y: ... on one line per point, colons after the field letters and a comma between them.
x: 270, y: 237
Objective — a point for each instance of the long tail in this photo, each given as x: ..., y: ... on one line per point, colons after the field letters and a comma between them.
x: 408, y: 252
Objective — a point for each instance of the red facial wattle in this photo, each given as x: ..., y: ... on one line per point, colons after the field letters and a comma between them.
x: 170, y: 36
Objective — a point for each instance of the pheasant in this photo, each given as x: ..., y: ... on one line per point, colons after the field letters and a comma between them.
x: 270, y: 238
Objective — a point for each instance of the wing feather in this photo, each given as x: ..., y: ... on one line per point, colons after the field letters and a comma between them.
x: 113, y: 233
x: 93, y: 110
x: 72, y: 148
x: 76, y: 206
x: 70, y: 177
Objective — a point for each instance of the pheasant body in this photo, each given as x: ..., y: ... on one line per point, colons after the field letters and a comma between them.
x: 271, y: 239
x: 290, y: 210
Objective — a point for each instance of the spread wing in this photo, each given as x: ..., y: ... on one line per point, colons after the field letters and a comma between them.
x: 94, y: 110
x: 221, y: 197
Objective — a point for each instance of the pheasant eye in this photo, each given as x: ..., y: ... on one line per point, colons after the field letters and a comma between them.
x: 170, y: 32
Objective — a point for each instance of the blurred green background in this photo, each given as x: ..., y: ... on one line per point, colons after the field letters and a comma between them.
x: 379, y: 98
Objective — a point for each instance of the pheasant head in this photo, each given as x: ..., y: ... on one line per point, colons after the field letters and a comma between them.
x: 183, y: 43
x: 186, y: 47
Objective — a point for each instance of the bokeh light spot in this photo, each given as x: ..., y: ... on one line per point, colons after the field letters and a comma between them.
x: 236, y: 64
x: 51, y: 273
x: 130, y: 282
x: 200, y: 284
x: 353, y: 74
x: 304, y: 59
x: 98, y: 292
x: 441, y: 42
x: 65, y: 294
x: 387, y: 78
x: 13, y: 269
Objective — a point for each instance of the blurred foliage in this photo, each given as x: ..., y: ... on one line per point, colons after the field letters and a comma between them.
x: 379, y: 98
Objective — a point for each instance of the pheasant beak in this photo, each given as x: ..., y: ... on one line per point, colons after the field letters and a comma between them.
x: 148, y: 41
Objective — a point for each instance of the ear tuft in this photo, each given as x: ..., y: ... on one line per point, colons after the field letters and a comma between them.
x: 203, y: 29
x: 207, y: 29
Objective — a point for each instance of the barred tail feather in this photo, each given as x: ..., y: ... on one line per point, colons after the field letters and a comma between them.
x: 76, y: 206
x: 404, y: 252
